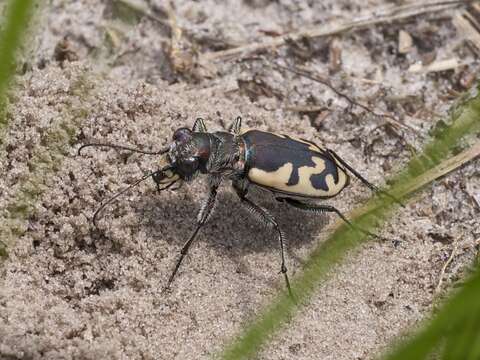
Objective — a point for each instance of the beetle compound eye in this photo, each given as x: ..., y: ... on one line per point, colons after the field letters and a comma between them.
x: 158, y: 176
x: 182, y: 135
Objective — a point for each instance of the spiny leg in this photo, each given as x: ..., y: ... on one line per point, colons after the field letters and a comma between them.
x: 235, y: 126
x: 202, y: 218
x: 168, y: 186
x: 362, y: 179
x: 319, y: 209
x: 265, y: 217
x: 199, y: 125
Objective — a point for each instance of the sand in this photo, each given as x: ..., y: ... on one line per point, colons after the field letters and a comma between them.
x: 69, y: 291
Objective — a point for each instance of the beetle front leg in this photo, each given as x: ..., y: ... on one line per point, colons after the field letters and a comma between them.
x: 202, y: 218
x: 199, y: 125
x: 235, y: 126
x: 265, y: 217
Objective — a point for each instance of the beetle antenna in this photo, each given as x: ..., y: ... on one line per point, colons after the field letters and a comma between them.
x: 121, y: 192
x: 160, y: 152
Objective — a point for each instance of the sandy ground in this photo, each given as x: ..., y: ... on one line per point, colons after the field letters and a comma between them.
x: 68, y: 291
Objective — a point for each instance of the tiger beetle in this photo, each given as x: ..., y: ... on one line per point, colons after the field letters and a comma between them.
x: 292, y: 169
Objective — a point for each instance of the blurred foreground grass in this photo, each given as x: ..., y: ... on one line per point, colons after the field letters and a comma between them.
x: 464, y: 120
x: 13, y: 28
x: 12, y: 32
x: 454, y: 331
x: 59, y: 136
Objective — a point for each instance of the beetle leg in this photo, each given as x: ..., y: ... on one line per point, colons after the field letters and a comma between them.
x: 362, y: 179
x: 199, y: 126
x: 241, y: 187
x: 319, y: 209
x: 160, y: 189
x: 202, y: 218
x: 235, y: 126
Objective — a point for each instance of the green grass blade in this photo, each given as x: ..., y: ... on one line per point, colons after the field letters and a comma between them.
x: 465, y: 120
x: 461, y: 337
x: 474, y: 353
x: 451, y: 319
x: 12, y: 33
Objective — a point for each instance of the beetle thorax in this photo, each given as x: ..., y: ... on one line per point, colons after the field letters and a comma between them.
x: 189, y: 153
x: 225, y: 155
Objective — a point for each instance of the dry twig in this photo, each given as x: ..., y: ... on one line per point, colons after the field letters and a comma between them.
x: 435, y: 173
x: 444, y: 268
x: 305, y: 73
x: 379, y: 15
x: 467, y: 25
x: 143, y: 11
x: 436, y: 66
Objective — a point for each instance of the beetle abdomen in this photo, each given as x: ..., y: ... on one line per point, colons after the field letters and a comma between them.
x: 292, y: 166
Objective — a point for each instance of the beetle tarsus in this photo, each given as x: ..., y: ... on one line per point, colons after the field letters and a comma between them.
x: 183, y: 253
x: 287, y: 283
x: 289, y: 288
x: 202, y: 218
x: 241, y: 187
x: 323, y: 209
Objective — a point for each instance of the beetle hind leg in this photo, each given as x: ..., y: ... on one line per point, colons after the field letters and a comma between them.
x: 241, y: 187
x: 362, y: 179
x: 320, y: 209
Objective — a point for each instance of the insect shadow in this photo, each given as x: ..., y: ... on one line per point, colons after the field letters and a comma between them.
x: 231, y: 230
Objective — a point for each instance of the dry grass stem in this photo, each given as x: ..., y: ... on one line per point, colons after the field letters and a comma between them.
x: 444, y: 268
x: 437, y: 172
x: 379, y: 16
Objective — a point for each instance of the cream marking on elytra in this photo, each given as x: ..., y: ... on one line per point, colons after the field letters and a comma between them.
x: 279, y: 179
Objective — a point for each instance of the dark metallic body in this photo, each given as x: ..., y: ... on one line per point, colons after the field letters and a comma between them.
x: 293, y: 169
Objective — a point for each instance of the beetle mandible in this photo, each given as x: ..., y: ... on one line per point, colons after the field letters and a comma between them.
x: 294, y: 170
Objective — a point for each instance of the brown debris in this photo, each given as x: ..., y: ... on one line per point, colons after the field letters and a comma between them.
x: 437, y: 66
x: 182, y: 54
x: 335, y: 55
x: 256, y: 88
x: 405, y: 42
x: 394, y: 13
x: 64, y: 51
x: 468, y: 26
x: 306, y: 73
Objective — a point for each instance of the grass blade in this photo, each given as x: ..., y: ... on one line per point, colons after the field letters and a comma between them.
x: 454, y: 318
x: 465, y: 120
x: 12, y: 33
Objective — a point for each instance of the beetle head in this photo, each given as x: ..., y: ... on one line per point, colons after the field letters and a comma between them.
x: 188, y: 153
x: 185, y: 157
